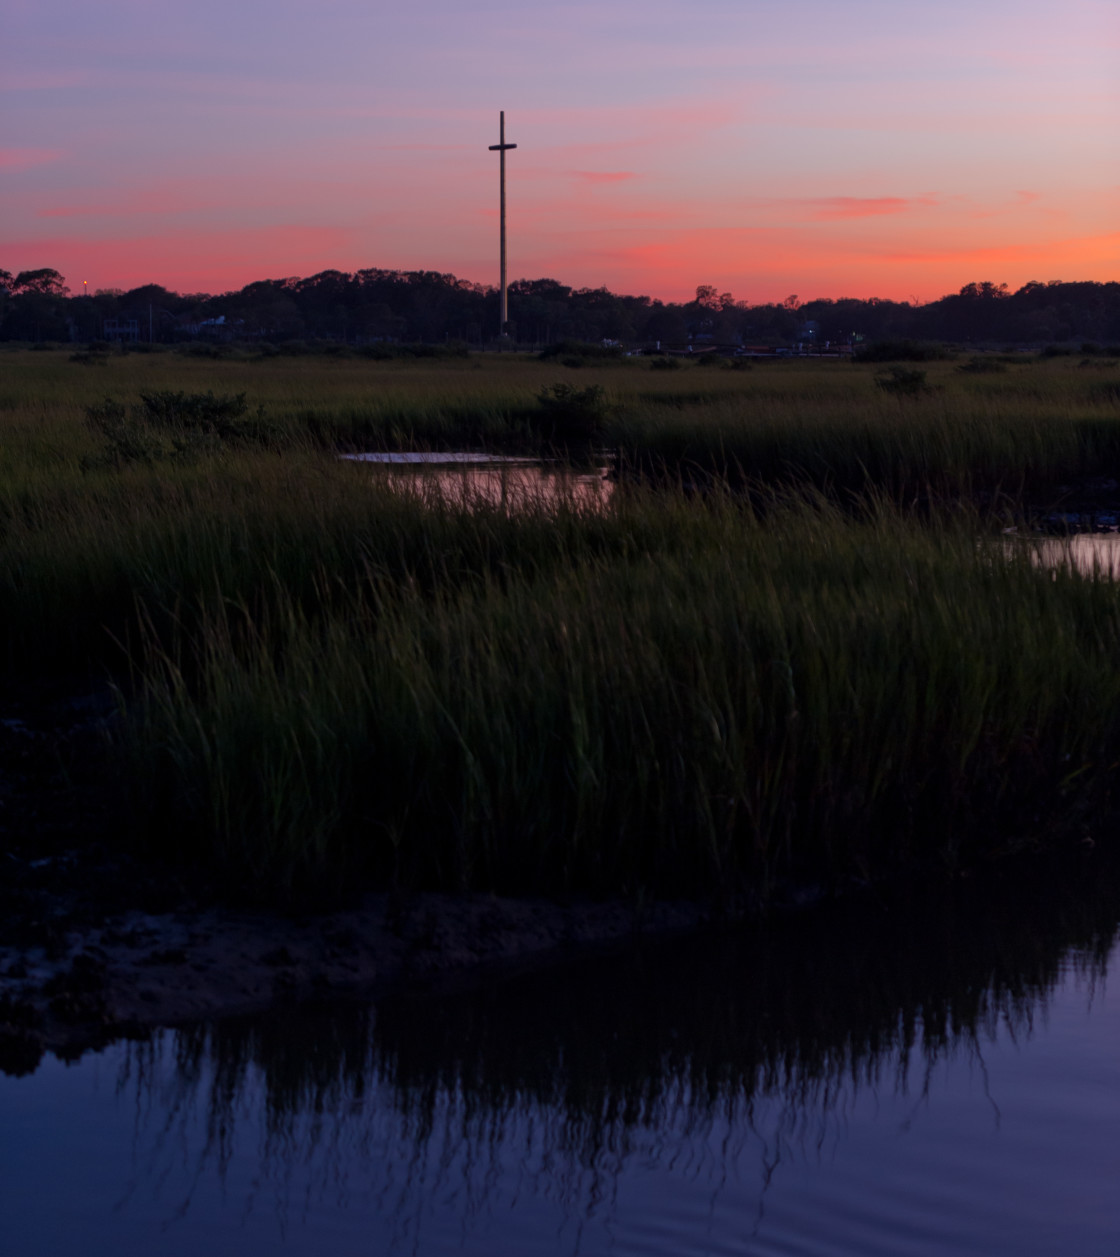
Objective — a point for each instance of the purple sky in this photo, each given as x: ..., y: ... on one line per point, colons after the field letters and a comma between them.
x: 870, y: 147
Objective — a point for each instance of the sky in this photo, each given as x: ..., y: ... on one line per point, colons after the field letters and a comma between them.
x: 823, y: 148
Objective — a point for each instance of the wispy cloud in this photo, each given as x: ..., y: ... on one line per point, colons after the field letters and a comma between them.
x: 603, y: 176
x: 161, y: 199
x: 15, y: 159
x: 830, y: 208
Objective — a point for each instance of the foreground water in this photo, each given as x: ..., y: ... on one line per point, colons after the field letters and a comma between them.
x: 922, y: 1077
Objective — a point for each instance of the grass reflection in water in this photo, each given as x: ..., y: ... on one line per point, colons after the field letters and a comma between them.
x: 722, y: 1056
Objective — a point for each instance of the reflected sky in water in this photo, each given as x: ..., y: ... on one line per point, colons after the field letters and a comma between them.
x: 510, y: 483
x: 916, y: 1076
x: 1091, y: 554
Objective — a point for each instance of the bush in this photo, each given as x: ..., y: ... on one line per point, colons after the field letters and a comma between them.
x: 901, y: 351
x: 1108, y: 392
x: 568, y: 413
x: 983, y: 366
x: 666, y: 364
x: 585, y: 351
x: 207, y: 349
x: 177, y: 425
x: 902, y: 383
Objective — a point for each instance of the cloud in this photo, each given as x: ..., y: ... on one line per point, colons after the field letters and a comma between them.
x: 168, y: 197
x: 39, y: 80
x: 603, y: 176
x: 13, y: 159
x: 831, y: 208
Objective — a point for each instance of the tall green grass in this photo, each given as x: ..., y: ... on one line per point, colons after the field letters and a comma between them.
x: 815, y: 697
x: 325, y: 679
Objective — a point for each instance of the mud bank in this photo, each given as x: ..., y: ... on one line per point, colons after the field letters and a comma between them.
x: 96, y: 944
x: 135, y: 970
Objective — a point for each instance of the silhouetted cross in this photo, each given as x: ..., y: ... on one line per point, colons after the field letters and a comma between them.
x: 501, y: 147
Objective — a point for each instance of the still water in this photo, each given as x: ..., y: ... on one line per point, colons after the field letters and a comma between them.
x: 514, y: 483
x: 882, y: 1078
x: 1091, y: 554
x: 492, y: 479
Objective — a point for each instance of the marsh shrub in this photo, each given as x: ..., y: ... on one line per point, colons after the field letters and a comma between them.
x: 170, y: 424
x: 126, y: 440
x: 902, y: 382
x: 391, y: 351
x: 569, y: 413
x: 977, y: 365
x: 666, y: 364
x: 585, y: 351
x: 206, y: 349
x: 901, y: 351
x: 1106, y: 392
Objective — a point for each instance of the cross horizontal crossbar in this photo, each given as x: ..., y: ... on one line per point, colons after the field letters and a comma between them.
x: 497, y: 148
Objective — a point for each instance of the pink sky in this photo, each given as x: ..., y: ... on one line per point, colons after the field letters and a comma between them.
x: 861, y: 148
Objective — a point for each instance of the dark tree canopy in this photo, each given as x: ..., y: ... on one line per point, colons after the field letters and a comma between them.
x: 374, y: 305
x: 46, y: 282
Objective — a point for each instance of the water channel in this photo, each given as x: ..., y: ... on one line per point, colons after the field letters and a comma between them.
x: 493, y: 479
x: 516, y: 483
x: 888, y: 1076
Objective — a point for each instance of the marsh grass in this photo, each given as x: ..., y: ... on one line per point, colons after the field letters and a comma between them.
x: 329, y: 682
x: 824, y: 421
x: 812, y: 698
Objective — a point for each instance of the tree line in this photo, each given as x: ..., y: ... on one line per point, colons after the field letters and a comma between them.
x: 426, y: 307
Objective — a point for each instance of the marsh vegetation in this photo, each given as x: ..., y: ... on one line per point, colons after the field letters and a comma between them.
x: 793, y: 647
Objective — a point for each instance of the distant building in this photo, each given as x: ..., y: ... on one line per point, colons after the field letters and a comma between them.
x: 122, y: 329
x: 219, y: 329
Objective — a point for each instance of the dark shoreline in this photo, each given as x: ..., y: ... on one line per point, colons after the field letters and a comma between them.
x: 138, y: 971
x: 97, y: 945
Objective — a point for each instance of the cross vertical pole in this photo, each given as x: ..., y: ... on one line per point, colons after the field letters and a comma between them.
x: 500, y: 148
x: 503, y: 313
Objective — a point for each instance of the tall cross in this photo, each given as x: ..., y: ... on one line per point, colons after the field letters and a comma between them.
x: 501, y: 147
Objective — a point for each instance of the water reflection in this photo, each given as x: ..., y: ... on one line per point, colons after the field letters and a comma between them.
x: 506, y: 482
x: 1096, y: 555
x: 752, y: 1093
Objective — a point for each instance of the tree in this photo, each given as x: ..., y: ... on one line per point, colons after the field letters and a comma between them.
x: 45, y: 282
